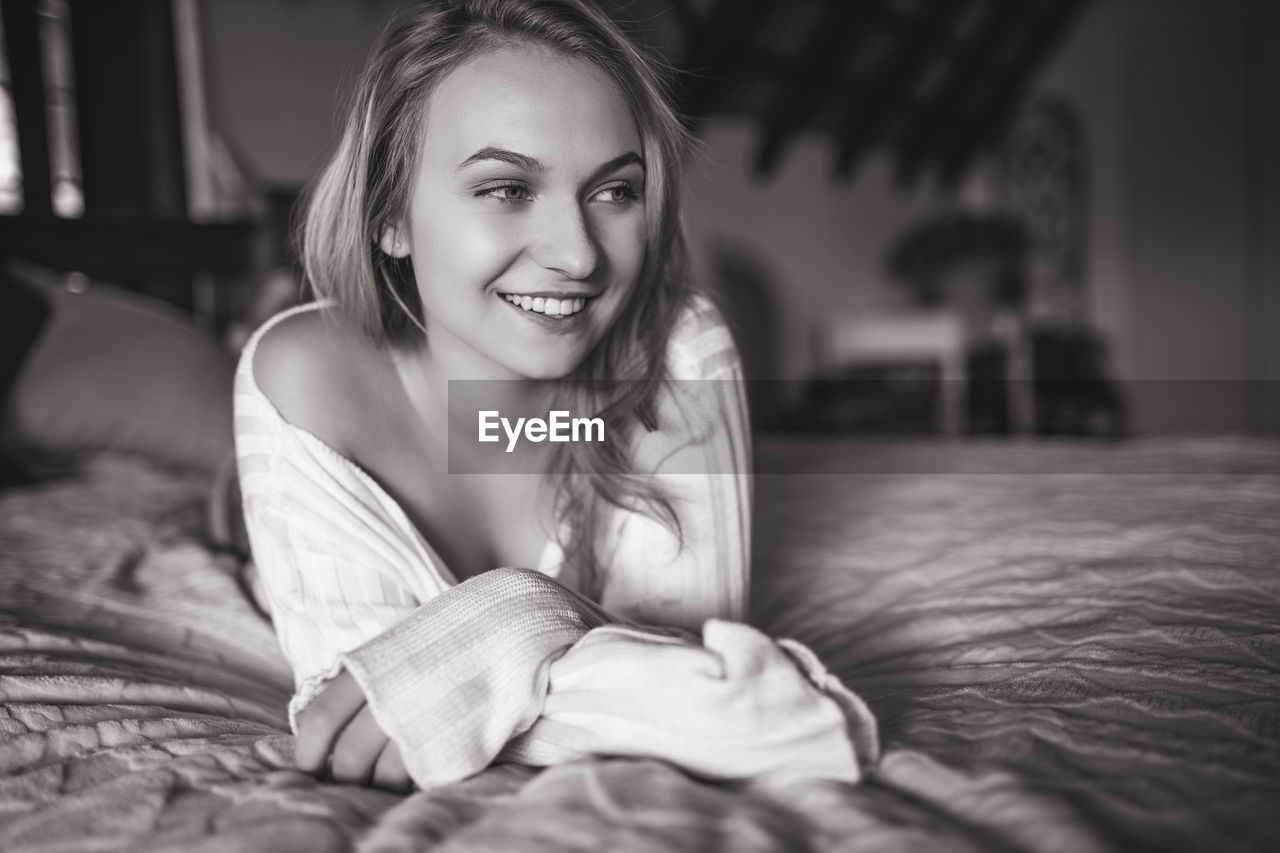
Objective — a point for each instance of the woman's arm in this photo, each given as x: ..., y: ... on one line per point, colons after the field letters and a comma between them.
x: 328, y: 592
x: 335, y: 567
x: 325, y: 598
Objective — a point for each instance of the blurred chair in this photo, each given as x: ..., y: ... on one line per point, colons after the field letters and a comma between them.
x: 936, y: 338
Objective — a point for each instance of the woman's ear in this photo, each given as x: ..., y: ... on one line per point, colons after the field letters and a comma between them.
x: 393, y: 242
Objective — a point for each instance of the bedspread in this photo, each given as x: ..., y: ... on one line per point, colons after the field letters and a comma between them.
x: 1068, y: 647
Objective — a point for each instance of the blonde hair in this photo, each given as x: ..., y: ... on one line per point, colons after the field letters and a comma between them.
x: 366, y: 186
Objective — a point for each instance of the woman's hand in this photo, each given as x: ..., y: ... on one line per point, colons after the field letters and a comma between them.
x: 337, y: 731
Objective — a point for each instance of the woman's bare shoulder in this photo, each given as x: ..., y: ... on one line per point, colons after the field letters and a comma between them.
x: 317, y: 374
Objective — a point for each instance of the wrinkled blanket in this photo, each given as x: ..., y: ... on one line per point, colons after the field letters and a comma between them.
x: 1068, y: 647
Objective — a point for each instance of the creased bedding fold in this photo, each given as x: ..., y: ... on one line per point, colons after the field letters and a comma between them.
x: 512, y: 666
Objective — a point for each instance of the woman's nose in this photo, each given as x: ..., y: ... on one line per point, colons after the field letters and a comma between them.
x: 564, y: 242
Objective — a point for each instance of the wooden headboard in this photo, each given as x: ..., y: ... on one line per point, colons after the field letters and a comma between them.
x: 103, y: 94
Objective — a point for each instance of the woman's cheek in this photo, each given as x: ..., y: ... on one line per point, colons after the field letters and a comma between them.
x: 627, y: 242
x: 479, y: 250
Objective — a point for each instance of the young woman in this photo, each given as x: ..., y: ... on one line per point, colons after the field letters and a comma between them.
x: 503, y: 205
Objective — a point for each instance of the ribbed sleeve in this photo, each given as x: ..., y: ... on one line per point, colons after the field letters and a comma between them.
x: 457, y: 679
x: 510, y: 665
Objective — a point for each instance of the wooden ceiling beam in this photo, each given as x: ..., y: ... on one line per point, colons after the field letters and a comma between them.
x: 919, y: 40
x: 714, y: 54
x: 973, y: 68
x: 1000, y: 105
x: 871, y: 100
x: 816, y: 75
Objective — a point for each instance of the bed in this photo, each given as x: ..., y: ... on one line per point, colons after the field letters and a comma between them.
x: 1069, y: 646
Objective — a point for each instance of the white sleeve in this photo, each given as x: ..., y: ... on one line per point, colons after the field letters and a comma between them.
x: 701, y: 458
x: 335, y: 569
x: 321, y: 603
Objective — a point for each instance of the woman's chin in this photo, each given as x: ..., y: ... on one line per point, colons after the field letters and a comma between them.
x: 546, y: 372
x: 549, y: 366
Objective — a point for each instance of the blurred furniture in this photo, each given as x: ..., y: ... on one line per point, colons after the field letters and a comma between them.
x: 933, y: 338
x: 966, y: 393
x: 973, y: 265
x: 96, y: 93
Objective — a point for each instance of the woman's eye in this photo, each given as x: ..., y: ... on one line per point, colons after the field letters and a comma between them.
x: 506, y: 192
x: 618, y: 193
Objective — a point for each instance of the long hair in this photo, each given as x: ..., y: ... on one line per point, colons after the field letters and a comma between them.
x: 366, y: 186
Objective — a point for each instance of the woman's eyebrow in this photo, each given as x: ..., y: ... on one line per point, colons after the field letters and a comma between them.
x: 532, y: 165
x: 615, y: 164
x: 505, y: 156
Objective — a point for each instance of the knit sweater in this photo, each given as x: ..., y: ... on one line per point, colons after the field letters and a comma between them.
x: 350, y: 581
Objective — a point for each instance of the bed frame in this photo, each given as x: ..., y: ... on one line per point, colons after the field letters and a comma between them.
x: 135, y: 229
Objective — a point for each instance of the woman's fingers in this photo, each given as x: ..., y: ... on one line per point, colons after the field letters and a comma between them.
x: 358, y: 749
x: 323, y: 720
x: 338, y: 733
x: 390, y: 772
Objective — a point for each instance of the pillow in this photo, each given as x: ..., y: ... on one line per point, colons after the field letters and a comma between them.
x: 117, y: 370
x: 23, y: 313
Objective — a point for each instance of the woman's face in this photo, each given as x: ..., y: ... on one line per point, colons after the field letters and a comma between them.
x: 530, y: 190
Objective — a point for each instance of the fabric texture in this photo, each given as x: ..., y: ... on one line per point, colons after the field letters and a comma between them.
x: 1069, y: 646
x: 349, y: 579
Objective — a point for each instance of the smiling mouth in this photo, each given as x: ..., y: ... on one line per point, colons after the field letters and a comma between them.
x: 549, y: 307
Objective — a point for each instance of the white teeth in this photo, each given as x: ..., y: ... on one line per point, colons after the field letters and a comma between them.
x: 552, y: 307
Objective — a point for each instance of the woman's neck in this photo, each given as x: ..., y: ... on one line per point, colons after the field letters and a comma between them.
x: 450, y: 411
